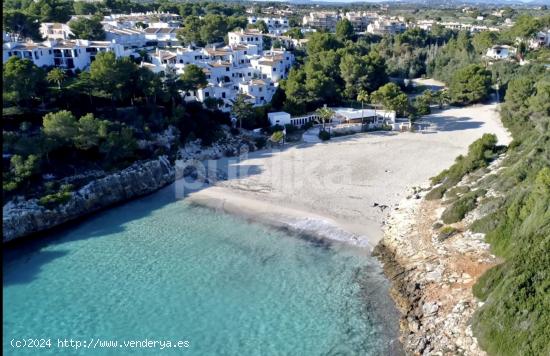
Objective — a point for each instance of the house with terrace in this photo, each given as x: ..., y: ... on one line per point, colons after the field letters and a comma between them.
x: 55, y: 31
x: 69, y: 54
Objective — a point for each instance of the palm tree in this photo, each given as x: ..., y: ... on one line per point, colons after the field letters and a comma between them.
x: 56, y: 75
x: 325, y: 114
x: 362, y: 96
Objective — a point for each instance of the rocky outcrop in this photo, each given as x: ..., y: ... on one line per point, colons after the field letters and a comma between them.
x: 22, y: 217
x: 432, y: 278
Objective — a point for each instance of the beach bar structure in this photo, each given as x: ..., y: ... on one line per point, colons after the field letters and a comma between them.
x: 372, y: 117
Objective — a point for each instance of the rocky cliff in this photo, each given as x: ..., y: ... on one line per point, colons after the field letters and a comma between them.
x: 24, y: 217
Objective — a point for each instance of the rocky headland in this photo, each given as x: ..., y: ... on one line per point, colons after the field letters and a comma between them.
x: 23, y: 217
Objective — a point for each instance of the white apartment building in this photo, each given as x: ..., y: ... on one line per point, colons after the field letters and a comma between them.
x: 273, y: 65
x: 149, y: 18
x: 55, y: 31
x: 162, y: 36
x: 323, y: 20
x: 386, y: 27
x: 361, y: 19
x: 230, y: 70
x: 69, y: 55
x: 253, y: 37
x: 275, y: 25
x: 129, y: 38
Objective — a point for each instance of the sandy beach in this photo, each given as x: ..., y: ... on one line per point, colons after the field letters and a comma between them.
x: 343, y: 189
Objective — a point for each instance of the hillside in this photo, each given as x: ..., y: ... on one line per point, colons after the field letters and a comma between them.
x: 515, y: 218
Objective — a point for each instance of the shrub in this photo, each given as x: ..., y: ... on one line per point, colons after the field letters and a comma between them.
x: 456, y: 192
x: 324, y: 135
x: 277, y: 136
x: 290, y: 129
x: 445, y: 232
x: 307, y: 125
x: 461, y: 207
x: 55, y: 199
x: 260, y: 142
x: 436, y: 193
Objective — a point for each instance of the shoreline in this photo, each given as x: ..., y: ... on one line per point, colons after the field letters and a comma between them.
x: 286, y: 217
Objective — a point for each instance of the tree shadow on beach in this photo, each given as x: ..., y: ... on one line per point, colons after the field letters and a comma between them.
x: 449, y: 123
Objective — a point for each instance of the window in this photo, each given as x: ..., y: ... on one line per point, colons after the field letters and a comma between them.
x: 260, y: 89
x: 206, y: 94
x: 274, y: 69
x: 35, y: 55
x: 227, y: 69
x: 223, y: 95
x: 181, y: 60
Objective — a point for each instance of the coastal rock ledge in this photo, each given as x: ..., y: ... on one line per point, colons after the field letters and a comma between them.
x: 432, y: 278
x: 25, y: 217
x: 22, y: 217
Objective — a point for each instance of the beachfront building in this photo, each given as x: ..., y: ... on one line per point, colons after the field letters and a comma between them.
x: 275, y: 25
x: 325, y: 20
x: 69, y: 55
x: 55, y: 31
x: 500, y: 52
x: 345, y: 118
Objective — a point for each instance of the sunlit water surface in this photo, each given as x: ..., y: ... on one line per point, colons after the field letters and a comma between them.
x: 160, y: 269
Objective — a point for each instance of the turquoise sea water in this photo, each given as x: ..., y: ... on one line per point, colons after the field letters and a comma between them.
x: 159, y: 269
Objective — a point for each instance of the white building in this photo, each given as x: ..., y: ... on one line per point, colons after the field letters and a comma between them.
x: 385, y: 27
x: 240, y: 68
x: 500, y: 52
x: 279, y: 118
x: 55, y: 31
x: 361, y: 19
x: 323, y: 20
x: 541, y: 39
x: 253, y: 37
x: 162, y: 36
x: 275, y: 25
x: 129, y: 38
x: 150, y: 19
x: 70, y: 54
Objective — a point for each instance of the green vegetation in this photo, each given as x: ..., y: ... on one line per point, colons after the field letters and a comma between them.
x: 62, y: 196
x: 90, y: 29
x: 445, y: 232
x: 57, y: 123
x: 480, y: 153
x: 515, y: 316
x: 277, y: 136
x: 470, y: 84
x: 458, y: 210
x: 324, y: 135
